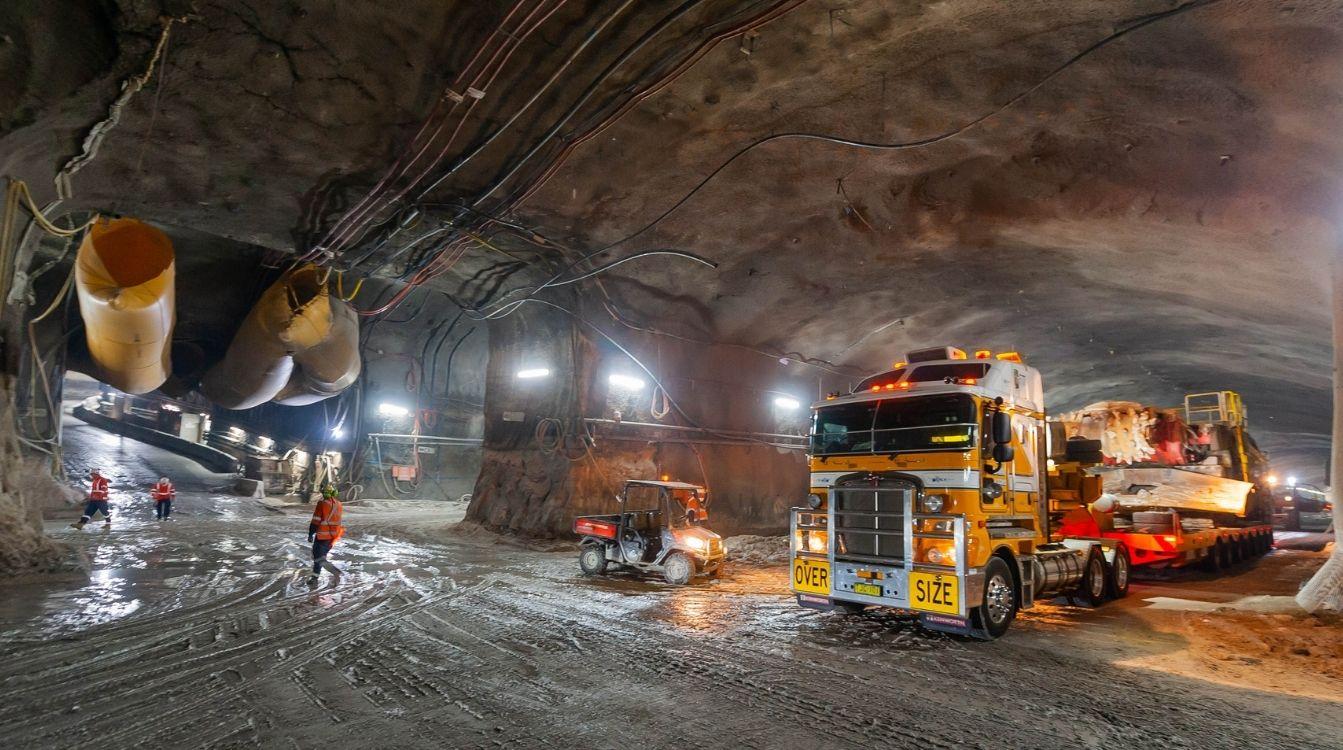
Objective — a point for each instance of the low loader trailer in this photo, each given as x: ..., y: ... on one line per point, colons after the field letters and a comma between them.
x: 935, y: 488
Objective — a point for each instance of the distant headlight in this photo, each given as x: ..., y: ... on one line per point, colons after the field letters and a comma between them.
x: 934, y: 503
x: 815, y: 501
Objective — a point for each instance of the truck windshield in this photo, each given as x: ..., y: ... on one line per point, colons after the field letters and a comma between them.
x: 945, y: 422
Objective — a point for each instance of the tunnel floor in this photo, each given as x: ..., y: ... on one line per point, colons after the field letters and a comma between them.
x: 201, y: 632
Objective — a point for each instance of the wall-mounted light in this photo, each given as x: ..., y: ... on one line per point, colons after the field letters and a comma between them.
x: 626, y: 382
x: 533, y: 373
x: 785, y: 403
x: 392, y: 410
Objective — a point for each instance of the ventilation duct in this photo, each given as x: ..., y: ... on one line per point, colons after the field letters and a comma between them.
x: 297, y: 346
x: 124, y: 279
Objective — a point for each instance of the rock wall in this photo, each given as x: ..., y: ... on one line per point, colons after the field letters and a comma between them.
x: 561, y: 445
x: 26, y: 488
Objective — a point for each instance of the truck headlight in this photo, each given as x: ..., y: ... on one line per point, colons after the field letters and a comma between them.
x: 940, y: 554
x: 992, y: 491
x: 818, y: 541
x: 934, y: 503
x: 696, y: 543
x: 815, y: 501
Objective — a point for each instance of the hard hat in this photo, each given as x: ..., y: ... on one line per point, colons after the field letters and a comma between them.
x: 328, y: 491
x: 164, y: 480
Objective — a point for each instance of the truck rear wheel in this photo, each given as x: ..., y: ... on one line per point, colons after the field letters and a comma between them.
x: 592, y: 559
x: 1119, y: 573
x: 678, y: 568
x: 995, y: 613
x: 1095, y: 580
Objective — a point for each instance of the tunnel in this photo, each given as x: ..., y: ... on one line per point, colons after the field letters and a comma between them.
x: 746, y: 373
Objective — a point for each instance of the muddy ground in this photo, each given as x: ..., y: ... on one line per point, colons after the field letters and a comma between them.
x: 201, y: 633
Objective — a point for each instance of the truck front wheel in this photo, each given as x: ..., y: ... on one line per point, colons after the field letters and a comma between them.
x: 995, y: 613
x: 592, y: 559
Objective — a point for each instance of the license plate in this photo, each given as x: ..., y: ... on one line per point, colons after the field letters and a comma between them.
x: 869, y: 589
x: 811, y: 576
x: 935, y: 592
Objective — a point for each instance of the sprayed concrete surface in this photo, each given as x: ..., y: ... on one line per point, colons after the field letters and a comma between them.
x: 201, y: 633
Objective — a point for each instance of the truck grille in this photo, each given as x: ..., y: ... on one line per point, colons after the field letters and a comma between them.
x: 870, y: 524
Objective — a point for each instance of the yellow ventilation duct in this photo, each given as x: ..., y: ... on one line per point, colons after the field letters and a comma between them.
x: 330, y: 366
x: 298, y: 344
x: 124, y: 280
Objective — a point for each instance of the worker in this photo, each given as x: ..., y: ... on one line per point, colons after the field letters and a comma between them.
x: 163, y: 493
x: 99, y: 491
x: 324, y: 530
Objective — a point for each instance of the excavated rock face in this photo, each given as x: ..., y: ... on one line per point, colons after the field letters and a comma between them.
x: 1140, y: 196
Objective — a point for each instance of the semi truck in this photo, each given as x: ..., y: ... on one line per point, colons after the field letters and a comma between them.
x: 940, y: 487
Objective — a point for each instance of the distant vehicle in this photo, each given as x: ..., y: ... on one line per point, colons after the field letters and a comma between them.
x: 1303, y: 508
x: 659, y: 527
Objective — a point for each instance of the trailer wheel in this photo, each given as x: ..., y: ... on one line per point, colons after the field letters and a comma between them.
x: 994, y: 615
x: 1119, y: 573
x: 592, y: 559
x: 1224, y: 560
x: 678, y: 568
x: 1094, y: 581
x: 1213, y: 561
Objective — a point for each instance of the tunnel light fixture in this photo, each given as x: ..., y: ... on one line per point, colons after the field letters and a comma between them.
x: 1271, y: 479
x: 338, y: 432
x: 626, y: 382
x: 533, y: 373
x: 388, y: 409
x: 1291, y: 481
x: 786, y: 403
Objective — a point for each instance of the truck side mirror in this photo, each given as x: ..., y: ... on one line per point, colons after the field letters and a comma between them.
x: 1002, y: 428
x: 1003, y: 452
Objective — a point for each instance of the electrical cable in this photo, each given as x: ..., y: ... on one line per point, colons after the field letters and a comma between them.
x: 517, y: 39
x: 694, y: 57
x: 356, y: 212
x: 592, y: 34
x: 920, y: 142
x: 656, y: 382
x: 587, y: 93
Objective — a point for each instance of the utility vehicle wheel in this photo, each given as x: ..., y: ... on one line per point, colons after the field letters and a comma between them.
x: 1119, y: 573
x: 592, y: 560
x: 718, y: 571
x: 678, y: 568
x: 994, y: 615
x: 1095, y: 580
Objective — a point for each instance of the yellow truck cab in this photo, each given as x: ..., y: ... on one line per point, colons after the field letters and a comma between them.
x: 928, y: 494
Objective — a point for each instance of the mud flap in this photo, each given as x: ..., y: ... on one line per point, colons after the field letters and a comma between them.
x: 811, y: 601
x: 946, y: 623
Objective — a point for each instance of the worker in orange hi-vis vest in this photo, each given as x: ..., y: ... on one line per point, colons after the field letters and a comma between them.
x: 163, y: 493
x: 99, y: 492
x: 323, y: 531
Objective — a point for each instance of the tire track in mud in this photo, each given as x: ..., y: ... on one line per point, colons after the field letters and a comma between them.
x: 316, y: 639
x: 167, y: 672
x: 806, y: 701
